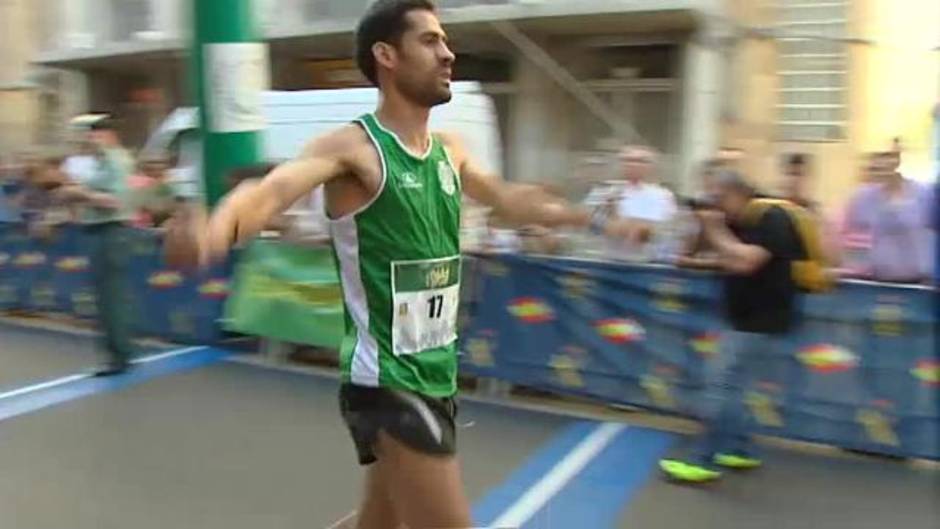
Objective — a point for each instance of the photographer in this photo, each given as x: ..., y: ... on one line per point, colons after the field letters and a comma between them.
x: 695, y: 250
x: 760, y: 305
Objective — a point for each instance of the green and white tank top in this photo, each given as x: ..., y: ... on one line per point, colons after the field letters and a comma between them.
x: 399, y: 262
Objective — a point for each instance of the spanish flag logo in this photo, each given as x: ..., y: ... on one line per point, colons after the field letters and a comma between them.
x: 706, y: 345
x: 826, y: 358
x: 531, y: 310
x: 72, y: 264
x: 214, y: 289
x: 165, y: 280
x: 928, y: 372
x: 29, y: 260
x: 620, y: 330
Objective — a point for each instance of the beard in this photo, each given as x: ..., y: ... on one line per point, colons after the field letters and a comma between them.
x: 427, y: 92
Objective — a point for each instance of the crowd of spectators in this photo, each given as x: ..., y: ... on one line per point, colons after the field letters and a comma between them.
x: 885, y: 231
x: 46, y: 188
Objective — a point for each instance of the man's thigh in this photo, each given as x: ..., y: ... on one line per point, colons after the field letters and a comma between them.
x: 426, y: 490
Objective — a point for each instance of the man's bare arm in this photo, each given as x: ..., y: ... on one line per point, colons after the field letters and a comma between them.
x: 78, y: 194
x: 518, y: 204
x: 246, y: 211
x: 251, y: 206
x: 735, y: 256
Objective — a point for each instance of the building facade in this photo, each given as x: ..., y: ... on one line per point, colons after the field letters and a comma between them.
x: 34, y: 100
x: 19, y: 91
x: 640, y: 59
x: 835, y: 79
x: 576, y: 78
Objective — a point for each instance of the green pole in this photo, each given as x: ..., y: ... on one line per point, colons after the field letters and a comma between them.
x: 230, y: 70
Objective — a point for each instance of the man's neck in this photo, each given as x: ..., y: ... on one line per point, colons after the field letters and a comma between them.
x: 894, y: 183
x: 408, y: 121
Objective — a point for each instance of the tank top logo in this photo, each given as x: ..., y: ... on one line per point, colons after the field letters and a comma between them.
x: 447, y: 177
x: 409, y: 181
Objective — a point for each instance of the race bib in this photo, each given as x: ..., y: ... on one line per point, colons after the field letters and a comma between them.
x: 425, y: 297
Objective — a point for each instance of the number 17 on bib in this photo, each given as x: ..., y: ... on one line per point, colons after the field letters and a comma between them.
x: 426, y: 298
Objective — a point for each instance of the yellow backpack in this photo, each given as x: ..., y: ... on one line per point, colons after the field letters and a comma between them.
x: 810, y: 274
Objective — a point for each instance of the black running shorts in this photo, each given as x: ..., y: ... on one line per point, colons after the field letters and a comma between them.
x: 422, y: 423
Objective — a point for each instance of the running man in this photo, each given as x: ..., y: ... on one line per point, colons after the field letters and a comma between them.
x: 393, y: 194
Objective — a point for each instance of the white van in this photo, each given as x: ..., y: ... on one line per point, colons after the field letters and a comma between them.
x: 296, y: 117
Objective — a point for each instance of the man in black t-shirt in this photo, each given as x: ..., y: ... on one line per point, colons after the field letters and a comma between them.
x: 760, y: 303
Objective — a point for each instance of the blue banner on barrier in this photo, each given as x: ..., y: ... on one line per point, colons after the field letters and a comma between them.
x: 9, y: 249
x: 55, y: 276
x: 861, y: 371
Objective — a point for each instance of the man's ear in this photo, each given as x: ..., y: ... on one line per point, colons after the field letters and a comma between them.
x: 384, y: 54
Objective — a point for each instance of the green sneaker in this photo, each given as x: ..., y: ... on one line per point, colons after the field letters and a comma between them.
x: 737, y: 461
x: 682, y: 471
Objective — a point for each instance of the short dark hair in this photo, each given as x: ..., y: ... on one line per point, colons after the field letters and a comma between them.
x: 735, y: 181
x: 796, y: 159
x: 385, y: 21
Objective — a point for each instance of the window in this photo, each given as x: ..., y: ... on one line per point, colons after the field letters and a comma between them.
x: 813, y: 64
x: 130, y: 17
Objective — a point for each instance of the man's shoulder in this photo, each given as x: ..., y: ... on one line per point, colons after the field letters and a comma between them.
x: 776, y: 214
x: 453, y: 144
x: 450, y: 139
x: 765, y: 220
x: 349, y: 137
x: 347, y: 149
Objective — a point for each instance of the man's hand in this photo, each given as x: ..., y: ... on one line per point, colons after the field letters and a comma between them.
x: 244, y: 213
x: 710, y: 218
x: 193, y: 238
x: 104, y: 201
x: 184, y: 245
x: 735, y: 256
x: 632, y: 230
x: 517, y: 203
x: 75, y: 193
x: 534, y: 204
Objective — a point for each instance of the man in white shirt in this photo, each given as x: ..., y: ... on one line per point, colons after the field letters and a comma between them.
x: 648, y: 207
x: 82, y: 166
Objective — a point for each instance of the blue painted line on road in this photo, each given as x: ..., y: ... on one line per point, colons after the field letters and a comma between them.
x: 525, y: 477
x: 66, y: 389
x: 602, y: 491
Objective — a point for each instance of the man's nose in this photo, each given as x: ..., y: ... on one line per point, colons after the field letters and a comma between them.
x: 448, y: 56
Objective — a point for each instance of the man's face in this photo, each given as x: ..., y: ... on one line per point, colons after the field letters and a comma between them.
x: 154, y: 169
x: 730, y: 200
x: 99, y: 138
x: 637, y: 165
x: 423, y: 63
x: 794, y: 181
x: 884, y: 167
